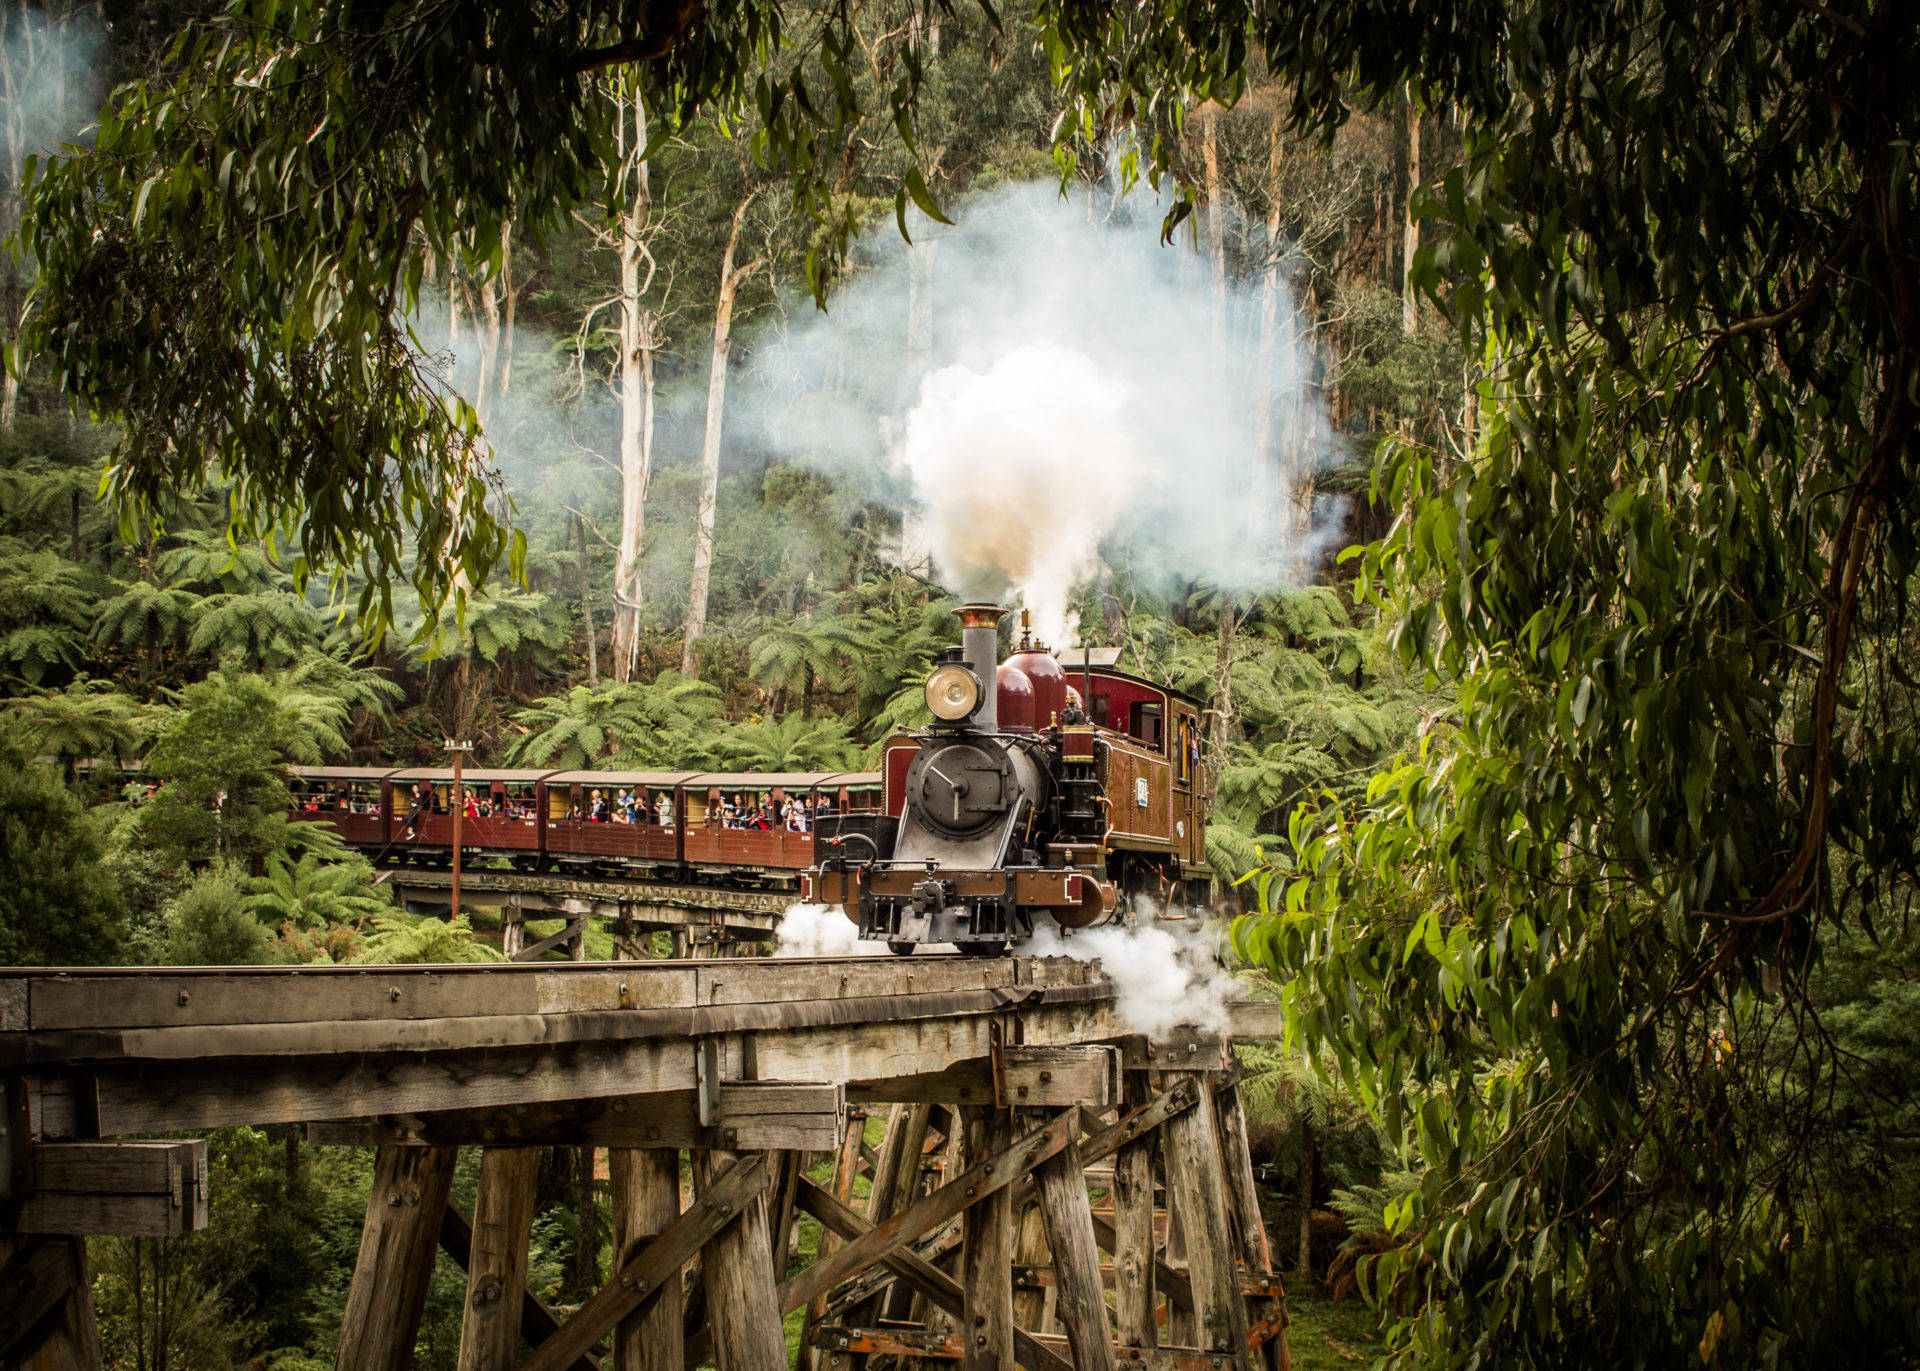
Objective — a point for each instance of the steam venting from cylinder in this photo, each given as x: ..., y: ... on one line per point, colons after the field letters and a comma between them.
x: 980, y: 643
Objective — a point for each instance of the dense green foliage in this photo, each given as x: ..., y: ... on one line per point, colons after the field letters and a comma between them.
x: 57, y: 903
x: 1602, y: 986
x: 1581, y: 952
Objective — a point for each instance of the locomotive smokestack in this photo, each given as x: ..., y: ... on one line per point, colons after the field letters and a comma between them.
x: 980, y: 642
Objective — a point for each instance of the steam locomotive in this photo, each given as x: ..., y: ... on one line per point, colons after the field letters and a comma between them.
x: 1027, y: 800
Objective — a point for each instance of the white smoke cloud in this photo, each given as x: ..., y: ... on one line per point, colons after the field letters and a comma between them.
x: 1162, y: 978
x: 1074, y: 389
x: 821, y: 930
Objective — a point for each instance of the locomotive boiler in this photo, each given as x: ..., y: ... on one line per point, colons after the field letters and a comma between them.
x: 1026, y: 801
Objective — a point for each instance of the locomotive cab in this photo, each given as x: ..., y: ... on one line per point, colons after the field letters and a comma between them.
x: 1012, y: 811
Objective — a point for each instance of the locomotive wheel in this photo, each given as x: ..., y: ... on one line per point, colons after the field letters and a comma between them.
x: 901, y: 949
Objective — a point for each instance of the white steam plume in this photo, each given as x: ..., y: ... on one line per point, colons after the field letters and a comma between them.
x: 821, y: 930
x: 1072, y: 391
x: 1161, y: 978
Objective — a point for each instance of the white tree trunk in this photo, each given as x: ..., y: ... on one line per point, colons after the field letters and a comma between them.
x: 1216, y: 224
x: 1409, y: 318
x: 637, y: 345
x: 487, y: 334
x: 730, y: 279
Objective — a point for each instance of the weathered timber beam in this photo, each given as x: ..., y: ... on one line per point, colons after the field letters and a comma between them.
x: 737, y: 1268
x: 1184, y: 1049
x: 379, y: 1325
x: 1162, y: 1358
x: 898, y: 1342
x: 497, y: 1028
x: 1027, y: 1276
x: 908, y: 1342
x: 643, y: 1192
x: 88, y: 998
x: 639, y: 1281
x: 1081, y: 1307
x: 753, y: 1116
x: 1197, y: 1182
x: 46, y: 1304
x: 1133, y: 1221
x: 929, y: 1279
x: 148, y: 1097
x: 936, y: 1247
x: 574, y: 928
x: 1255, y: 1019
x: 975, y: 1183
x: 1170, y: 1281
x: 497, y: 1264
x: 1177, y: 1099
x: 128, y: 1189
x: 1046, y: 1077
x: 537, y: 1319
x: 988, y: 1317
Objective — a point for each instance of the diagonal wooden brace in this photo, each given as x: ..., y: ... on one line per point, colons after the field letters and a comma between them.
x: 635, y: 1285
x: 904, y: 1226
x: 929, y: 1279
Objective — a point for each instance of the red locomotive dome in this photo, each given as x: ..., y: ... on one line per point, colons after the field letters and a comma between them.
x: 1014, y: 697
x: 1049, y: 683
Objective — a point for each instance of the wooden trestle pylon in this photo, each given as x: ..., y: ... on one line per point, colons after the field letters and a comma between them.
x: 1048, y: 1191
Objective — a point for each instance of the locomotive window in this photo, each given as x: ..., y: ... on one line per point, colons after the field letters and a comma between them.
x: 1102, y: 711
x: 1145, y: 723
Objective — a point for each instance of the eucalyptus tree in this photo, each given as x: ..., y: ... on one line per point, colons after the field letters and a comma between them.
x: 1567, y: 949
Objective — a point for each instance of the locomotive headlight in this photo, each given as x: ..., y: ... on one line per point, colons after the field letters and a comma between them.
x: 953, y: 693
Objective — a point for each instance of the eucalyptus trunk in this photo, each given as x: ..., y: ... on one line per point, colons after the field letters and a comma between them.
x: 637, y: 344
x: 1305, y: 1198
x: 1410, y: 242
x: 730, y: 280
x: 586, y: 600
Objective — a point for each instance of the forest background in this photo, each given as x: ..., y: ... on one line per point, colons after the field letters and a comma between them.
x: 1592, y: 912
x: 799, y: 642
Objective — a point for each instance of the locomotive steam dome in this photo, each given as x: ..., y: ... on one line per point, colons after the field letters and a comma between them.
x: 1015, y: 689
x: 1049, y: 681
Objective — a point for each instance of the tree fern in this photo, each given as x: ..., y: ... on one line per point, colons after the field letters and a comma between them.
x: 399, y: 939
x: 88, y: 719
x: 144, y: 616
x: 268, y: 628
x: 627, y: 721
x: 207, y: 562
x: 790, y: 743
x: 45, y: 610
x: 312, y: 893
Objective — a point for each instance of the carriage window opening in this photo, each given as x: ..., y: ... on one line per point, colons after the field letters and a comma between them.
x: 1145, y: 723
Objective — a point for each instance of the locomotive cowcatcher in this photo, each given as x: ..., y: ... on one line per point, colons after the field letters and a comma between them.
x: 1027, y: 800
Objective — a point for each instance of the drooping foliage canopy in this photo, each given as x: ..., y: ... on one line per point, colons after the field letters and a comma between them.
x: 231, y: 268
x: 1594, y: 953
x: 1580, y: 950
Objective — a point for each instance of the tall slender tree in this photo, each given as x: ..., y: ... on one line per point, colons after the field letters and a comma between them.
x: 731, y: 278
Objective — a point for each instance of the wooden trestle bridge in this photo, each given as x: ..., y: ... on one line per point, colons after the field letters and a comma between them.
x: 1027, y: 1132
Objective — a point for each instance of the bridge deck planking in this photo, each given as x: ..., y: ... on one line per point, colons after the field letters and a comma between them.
x: 55, y: 999
x: 740, y: 1055
x: 366, y: 1042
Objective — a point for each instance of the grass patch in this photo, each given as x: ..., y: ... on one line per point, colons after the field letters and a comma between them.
x: 1326, y: 1336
